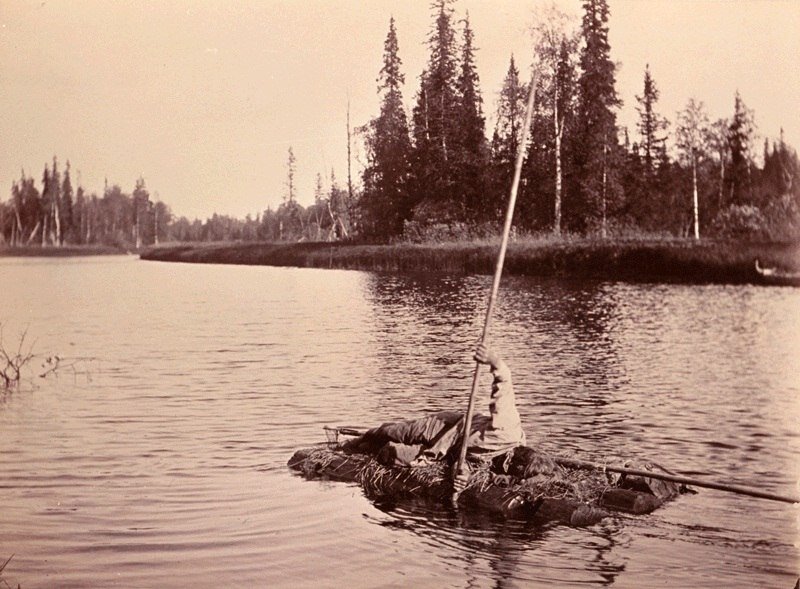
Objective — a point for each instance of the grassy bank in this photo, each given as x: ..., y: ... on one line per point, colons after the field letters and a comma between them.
x: 667, y: 261
x: 60, y: 252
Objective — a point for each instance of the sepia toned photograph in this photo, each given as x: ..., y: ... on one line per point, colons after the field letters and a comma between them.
x: 382, y: 294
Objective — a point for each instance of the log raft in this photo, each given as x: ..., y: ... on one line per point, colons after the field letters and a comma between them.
x: 531, y: 485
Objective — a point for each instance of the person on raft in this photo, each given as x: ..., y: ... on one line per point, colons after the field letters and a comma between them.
x: 438, y: 436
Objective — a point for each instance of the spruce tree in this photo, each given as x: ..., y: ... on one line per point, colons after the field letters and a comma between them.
x: 55, y: 211
x: 506, y: 138
x: 44, y: 216
x: 471, y: 149
x: 289, y: 216
x: 596, y: 147
x: 650, y: 125
x: 80, y: 215
x: 291, y: 170
x: 387, y: 202
x: 787, y: 168
x: 434, y: 120
x: 67, y: 214
x: 740, y: 136
x: 720, y: 147
x: 140, y: 200
x: 510, y: 118
x: 26, y: 201
x: 644, y: 194
x: 337, y: 209
x: 317, y: 209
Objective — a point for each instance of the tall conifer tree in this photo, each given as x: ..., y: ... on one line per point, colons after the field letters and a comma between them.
x: 55, y: 210
x: 646, y: 172
x: 471, y: 150
x: 596, y: 149
x: 386, y: 203
x: 510, y: 117
x: 291, y: 170
x: 650, y: 125
x: 740, y: 137
x: 66, y: 211
x: 140, y: 200
x: 434, y: 118
x: 507, y: 134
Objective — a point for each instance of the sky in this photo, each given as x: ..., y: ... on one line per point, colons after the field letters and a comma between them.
x: 203, y: 98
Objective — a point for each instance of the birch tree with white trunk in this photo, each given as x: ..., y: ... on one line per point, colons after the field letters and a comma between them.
x: 691, y: 138
x: 555, y: 56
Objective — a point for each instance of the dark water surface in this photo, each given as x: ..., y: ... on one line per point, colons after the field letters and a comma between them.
x: 160, y: 461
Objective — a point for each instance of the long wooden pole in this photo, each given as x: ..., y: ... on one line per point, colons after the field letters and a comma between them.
x: 675, y: 478
x: 498, y: 271
x: 570, y: 463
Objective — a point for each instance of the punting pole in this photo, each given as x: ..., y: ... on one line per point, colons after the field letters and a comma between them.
x: 663, y: 476
x: 570, y: 463
x: 498, y: 271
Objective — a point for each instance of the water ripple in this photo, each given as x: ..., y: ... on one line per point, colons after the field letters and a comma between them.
x: 166, y: 465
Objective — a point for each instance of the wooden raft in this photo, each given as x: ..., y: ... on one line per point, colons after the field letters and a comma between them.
x: 533, y: 485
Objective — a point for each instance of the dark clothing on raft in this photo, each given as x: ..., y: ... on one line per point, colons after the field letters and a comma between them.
x: 437, y: 436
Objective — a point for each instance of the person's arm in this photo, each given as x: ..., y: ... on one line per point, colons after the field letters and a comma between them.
x: 484, y: 355
x: 461, y: 480
x: 501, y: 387
x: 502, y: 405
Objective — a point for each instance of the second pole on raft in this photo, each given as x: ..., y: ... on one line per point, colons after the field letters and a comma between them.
x: 498, y: 272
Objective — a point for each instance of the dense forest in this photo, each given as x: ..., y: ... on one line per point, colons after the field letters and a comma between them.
x: 435, y: 172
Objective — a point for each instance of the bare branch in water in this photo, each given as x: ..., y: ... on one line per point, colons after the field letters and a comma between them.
x: 50, y: 365
x: 5, y: 563
x: 12, y: 363
x: 3, y: 566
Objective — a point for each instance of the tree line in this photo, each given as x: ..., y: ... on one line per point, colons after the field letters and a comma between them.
x: 58, y: 214
x: 433, y: 171
x: 583, y: 172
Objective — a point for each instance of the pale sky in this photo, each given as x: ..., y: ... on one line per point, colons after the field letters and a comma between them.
x: 204, y: 97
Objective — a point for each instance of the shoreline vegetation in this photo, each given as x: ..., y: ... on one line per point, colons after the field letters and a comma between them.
x: 66, y: 251
x: 670, y: 261
x: 433, y: 170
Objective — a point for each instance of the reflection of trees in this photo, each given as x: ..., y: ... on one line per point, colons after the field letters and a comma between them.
x: 429, y: 297
x: 558, y: 336
x: 577, y: 316
x: 426, y: 326
x: 508, y: 551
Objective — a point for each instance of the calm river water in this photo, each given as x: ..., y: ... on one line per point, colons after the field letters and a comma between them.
x: 159, y: 458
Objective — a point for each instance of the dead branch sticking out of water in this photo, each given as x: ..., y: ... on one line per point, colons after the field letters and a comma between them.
x: 2, y: 567
x: 12, y: 363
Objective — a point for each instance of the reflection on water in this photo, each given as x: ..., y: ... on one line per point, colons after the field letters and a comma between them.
x: 165, y: 465
x: 509, y: 552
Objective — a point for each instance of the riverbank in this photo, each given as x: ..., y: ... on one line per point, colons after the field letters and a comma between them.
x: 60, y: 252
x: 667, y: 261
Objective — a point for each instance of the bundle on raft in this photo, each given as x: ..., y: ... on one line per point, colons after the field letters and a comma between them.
x: 534, y: 485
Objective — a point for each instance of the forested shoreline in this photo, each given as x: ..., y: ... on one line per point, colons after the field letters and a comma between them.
x: 676, y: 261
x: 434, y: 172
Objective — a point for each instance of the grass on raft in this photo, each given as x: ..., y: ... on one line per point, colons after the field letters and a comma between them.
x: 433, y: 480
x: 661, y: 259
